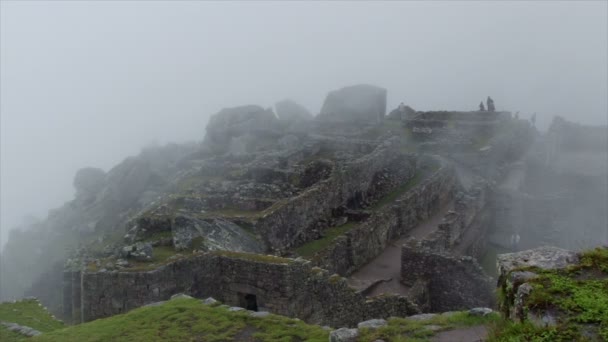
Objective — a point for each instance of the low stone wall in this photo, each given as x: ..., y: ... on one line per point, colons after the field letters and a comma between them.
x: 363, y: 243
x: 284, y: 286
x: 452, y: 283
x: 294, y: 220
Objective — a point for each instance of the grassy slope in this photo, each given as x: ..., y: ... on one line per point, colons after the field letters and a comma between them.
x: 26, y: 312
x: 188, y: 320
x: 404, y: 329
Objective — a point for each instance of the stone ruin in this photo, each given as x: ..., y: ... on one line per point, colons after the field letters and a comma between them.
x: 336, y: 219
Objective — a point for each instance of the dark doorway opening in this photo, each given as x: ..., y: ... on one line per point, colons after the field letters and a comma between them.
x: 248, y: 301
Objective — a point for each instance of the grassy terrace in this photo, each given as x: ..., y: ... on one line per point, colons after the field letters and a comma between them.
x: 404, y: 329
x: 578, y: 294
x: 188, y: 320
x: 26, y: 312
x: 163, y: 255
x: 393, y: 195
x: 309, y: 249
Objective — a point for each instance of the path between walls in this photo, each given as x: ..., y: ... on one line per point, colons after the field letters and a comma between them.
x: 386, y: 267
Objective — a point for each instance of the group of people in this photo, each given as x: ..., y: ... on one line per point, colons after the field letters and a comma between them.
x: 490, y: 103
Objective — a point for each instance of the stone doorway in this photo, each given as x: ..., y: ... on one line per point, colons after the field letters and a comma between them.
x: 248, y: 301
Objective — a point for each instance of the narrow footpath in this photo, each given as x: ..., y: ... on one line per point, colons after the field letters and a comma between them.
x: 385, y: 269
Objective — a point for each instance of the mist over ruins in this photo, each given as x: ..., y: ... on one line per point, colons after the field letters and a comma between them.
x: 310, y: 171
x: 347, y: 215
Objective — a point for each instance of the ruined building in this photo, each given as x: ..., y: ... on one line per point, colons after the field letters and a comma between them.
x: 338, y: 218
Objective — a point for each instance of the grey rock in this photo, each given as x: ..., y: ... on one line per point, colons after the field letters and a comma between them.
x: 180, y: 295
x: 290, y: 111
x: 20, y: 329
x: 234, y: 122
x: 355, y: 103
x: 480, y: 311
x: 210, y: 301
x: 235, y: 308
x: 259, y: 314
x: 372, y: 324
x: 344, y: 335
x: 422, y: 317
x: 545, y: 257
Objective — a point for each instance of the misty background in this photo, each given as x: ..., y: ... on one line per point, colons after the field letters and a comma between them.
x: 90, y: 83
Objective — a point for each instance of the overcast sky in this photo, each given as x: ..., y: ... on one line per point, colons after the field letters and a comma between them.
x: 89, y: 83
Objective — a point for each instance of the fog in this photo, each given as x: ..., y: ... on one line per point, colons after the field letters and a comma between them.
x: 90, y: 83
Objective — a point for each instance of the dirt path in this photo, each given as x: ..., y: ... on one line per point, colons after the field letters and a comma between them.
x: 387, y: 266
x: 475, y: 333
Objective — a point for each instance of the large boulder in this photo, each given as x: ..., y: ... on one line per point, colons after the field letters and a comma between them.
x: 250, y: 121
x: 362, y: 102
x: 290, y: 111
x: 88, y: 182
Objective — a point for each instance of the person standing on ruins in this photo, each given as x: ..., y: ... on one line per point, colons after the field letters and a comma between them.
x: 482, y: 108
x: 490, y: 104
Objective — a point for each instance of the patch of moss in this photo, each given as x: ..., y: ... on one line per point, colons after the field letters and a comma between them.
x: 579, y: 294
x: 393, y: 195
x: 188, y: 320
x: 159, y: 236
x: 271, y: 259
x: 311, y: 248
x: 28, y: 312
x: 404, y: 329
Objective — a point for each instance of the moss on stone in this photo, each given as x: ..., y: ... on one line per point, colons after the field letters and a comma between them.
x: 27, y: 312
x: 271, y: 259
x: 393, y: 195
x: 578, y: 295
x: 310, y: 248
x: 405, y: 329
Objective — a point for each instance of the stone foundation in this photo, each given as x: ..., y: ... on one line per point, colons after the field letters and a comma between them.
x: 288, y: 287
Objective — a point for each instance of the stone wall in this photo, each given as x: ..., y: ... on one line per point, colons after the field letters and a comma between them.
x: 294, y: 220
x: 452, y: 283
x: 366, y: 241
x: 284, y: 286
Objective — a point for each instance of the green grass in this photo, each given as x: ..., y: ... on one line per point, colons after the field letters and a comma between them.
x: 404, y: 329
x: 310, y: 248
x: 187, y: 320
x: 271, y: 259
x: 578, y: 293
x: 159, y: 236
x: 393, y: 195
x: 26, y: 312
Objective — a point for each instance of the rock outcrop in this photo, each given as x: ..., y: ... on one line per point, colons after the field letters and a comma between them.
x: 359, y: 103
x: 291, y: 112
x: 240, y: 129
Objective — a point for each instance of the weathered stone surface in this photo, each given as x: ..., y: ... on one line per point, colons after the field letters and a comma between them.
x: 355, y: 103
x: 209, y: 301
x: 542, y: 257
x: 480, y: 311
x: 235, y: 308
x: 288, y: 288
x: 20, y: 329
x: 259, y: 314
x: 235, y: 122
x: 454, y: 283
x: 372, y: 324
x: 139, y: 251
x: 89, y: 182
x: 212, y: 234
x: 290, y: 111
x: 180, y: 296
x: 422, y: 317
x: 344, y: 335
